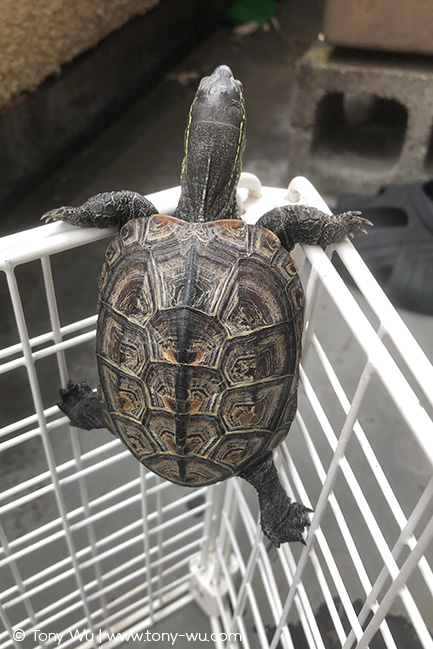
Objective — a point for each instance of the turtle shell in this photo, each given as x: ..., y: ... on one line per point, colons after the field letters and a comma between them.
x: 198, y: 345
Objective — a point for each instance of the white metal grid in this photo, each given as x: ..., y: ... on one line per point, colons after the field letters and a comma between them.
x: 115, y: 548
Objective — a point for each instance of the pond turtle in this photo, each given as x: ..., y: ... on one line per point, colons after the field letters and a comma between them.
x: 200, y: 318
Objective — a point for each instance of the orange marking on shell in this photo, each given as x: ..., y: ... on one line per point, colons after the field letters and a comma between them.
x: 169, y: 441
x: 169, y: 402
x: 235, y: 226
x: 165, y: 219
x: 271, y: 238
x: 291, y: 268
x: 229, y: 224
x: 248, y: 418
x: 192, y: 444
x: 197, y: 358
x: 170, y: 355
x: 194, y: 405
x: 125, y: 402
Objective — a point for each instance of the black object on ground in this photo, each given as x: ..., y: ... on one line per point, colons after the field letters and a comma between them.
x: 399, y: 249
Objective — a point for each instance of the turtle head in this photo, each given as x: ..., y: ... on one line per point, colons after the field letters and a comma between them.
x: 219, y: 99
x: 214, y: 144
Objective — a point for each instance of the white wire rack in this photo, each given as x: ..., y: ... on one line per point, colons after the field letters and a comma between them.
x: 93, y: 544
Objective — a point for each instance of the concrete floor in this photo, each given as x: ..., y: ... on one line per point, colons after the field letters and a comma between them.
x: 142, y: 151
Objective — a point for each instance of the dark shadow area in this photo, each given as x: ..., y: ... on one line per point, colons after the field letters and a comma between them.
x: 366, y: 126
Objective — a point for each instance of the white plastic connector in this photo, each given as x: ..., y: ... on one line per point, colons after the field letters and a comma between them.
x: 208, y: 593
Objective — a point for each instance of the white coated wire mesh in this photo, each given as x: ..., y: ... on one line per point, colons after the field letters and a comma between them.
x: 93, y: 543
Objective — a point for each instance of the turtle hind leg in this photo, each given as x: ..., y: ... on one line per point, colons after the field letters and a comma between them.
x: 82, y: 406
x: 294, y: 224
x: 104, y: 210
x: 281, y: 519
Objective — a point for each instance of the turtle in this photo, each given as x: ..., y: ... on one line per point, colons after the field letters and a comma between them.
x: 200, y: 318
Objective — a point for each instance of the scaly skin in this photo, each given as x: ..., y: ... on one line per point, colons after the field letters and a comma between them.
x: 214, y: 145
x: 104, y: 210
x: 301, y: 224
x: 281, y: 520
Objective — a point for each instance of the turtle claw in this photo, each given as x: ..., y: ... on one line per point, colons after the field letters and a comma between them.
x: 52, y: 215
x: 364, y: 222
x: 355, y: 222
x: 81, y: 406
x: 289, y: 527
x: 73, y: 391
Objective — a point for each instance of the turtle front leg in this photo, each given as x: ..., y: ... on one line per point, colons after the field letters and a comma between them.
x: 294, y: 224
x: 82, y: 406
x: 281, y: 519
x: 104, y: 210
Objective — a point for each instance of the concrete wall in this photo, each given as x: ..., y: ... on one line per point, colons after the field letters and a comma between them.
x: 40, y: 130
x: 36, y: 38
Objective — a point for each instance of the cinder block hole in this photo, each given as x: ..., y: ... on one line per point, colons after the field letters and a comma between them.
x: 356, y: 128
x: 429, y: 157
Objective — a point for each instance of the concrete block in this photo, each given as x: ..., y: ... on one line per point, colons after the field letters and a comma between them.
x: 359, y: 120
x: 380, y: 25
